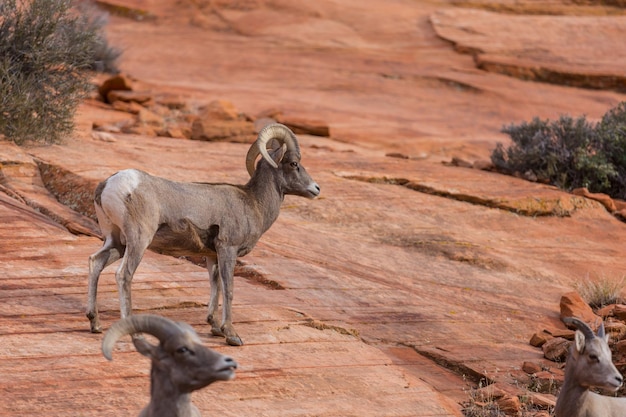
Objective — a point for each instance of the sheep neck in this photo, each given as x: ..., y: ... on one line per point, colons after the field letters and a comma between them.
x: 268, y: 194
x: 572, y: 394
x: 166, y: 399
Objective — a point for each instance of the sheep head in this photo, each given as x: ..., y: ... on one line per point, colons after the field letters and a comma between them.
x: 285, y: 157
x: 592, y: 357
x: 180, y: 355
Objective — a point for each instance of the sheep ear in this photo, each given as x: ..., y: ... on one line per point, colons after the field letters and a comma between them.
x: 579, y: 340
x: 602, y: 334
x: 279, y: 153
x: 143, y: 346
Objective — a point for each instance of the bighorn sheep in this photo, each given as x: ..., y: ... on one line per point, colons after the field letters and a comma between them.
x: 137, y: 211
x: 180, y: 363
x: 589, y: 364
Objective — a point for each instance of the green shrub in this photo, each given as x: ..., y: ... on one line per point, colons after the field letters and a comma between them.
x: 46, y: 48
x: 570, y: 153
x: 612, y: 130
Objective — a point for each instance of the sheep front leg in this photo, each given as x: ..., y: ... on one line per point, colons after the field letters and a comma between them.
x: 216, y: 284
x: 227, y: 258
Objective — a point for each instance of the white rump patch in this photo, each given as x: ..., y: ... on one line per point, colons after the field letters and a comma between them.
x: 117, y: 188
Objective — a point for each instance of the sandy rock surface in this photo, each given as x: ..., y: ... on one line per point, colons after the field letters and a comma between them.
x: 583, y: 51
x: 408, y: 281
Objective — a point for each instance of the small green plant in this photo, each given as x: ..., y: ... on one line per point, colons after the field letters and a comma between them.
x: 601, y: 290
x: 570, y: 153
x: 46, y: 48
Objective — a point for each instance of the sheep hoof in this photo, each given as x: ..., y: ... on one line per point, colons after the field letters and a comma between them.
x: 94, y: 322
x: 234, y: 341
x: 95, y: 326
x: 216, y: 331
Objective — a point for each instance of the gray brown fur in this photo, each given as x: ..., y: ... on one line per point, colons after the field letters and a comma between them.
x: 180, y: 364
x: 137, y: 211
x: 589, y: 364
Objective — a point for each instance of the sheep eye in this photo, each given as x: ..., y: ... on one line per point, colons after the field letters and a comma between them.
x: 594, y: 358
x: 183, y: 350
x: 294, y: 164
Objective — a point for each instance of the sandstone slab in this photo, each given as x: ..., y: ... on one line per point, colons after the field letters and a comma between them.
x: 571, y: 50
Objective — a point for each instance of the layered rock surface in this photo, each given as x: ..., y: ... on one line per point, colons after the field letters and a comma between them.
x: 582, y: 51
x: 406, y: 282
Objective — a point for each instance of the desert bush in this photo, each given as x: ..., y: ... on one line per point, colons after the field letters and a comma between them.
x: 105, y: 56
x: 46, y: 48
x: 612, y: 130
x: 569, y: 153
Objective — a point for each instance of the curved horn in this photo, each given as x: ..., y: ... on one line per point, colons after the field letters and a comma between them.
x: 580, y: 325
x: 157, y: 326
x: 276, y: 131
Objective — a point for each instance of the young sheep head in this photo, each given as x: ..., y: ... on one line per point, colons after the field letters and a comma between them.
x: 592, y: 358
x: 180, y: 363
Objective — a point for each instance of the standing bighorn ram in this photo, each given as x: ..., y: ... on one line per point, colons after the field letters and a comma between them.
x: 137, y: 211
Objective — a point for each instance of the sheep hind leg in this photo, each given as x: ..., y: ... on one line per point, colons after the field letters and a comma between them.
x: 216, y: 286
x: 124, y: 274
x: 97, y: 262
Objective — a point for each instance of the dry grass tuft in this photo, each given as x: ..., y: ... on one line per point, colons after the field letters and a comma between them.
x: 601, y: 290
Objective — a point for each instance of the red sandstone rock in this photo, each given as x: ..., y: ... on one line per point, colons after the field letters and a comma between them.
x: 219, y: 121
x: 556, y: 349
x: 546, y: 381
x: 127, y: 106
x: 300, y: 125
x: 117, y: 82
x: 140, y: 129
x: 148, y: 117
x: 484, y: 164
x: 173, y: 101
x: 495, y: 391
x: 220, y: 130
x: 564, y: 333
x: 620, y: 311
x: 619, y: 204
x: 219, y: 110
x: 604, y: 199
x: 141, y: 97
x: 572, y: 305
x: 172, y: 132
x: 621, y: 347
x: 531, y: 368
x: 500, y: 44
x: 616, y: 330
x: 543, y: 401
x: 459, y: 162
x: 510, y: 404
x: 538, y: 339
x: 397, y: 155
x: 606, y: 311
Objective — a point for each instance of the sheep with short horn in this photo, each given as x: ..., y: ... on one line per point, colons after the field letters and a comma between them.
x: 137, y: 211
x: 589, y: 365
x: 180, y: 363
